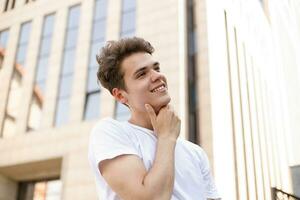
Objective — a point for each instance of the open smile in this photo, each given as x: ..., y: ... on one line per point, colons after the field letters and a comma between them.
x: 159, y: 88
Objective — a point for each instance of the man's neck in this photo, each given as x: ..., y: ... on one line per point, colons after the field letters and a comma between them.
x: 141, y: 119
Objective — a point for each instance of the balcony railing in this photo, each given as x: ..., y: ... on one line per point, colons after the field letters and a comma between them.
x: 278, y: 194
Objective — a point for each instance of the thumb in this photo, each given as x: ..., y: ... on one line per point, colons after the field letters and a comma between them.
x: 151, y: 113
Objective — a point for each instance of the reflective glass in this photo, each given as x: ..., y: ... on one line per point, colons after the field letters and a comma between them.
x: 48, y: 25
x: 122, y: 113
x: 62, y: 111
x: 45, y: 46
x: 42, y: 69
x: 53, y: 190
x: 100, y: 9
x: 94, y: 51
x: 42, y: 86
x: 21, y: 54
x: 71, y: 38
x: 92, y: 84
x: 128, y: 34
x: 74, y: 15
x: 3, y: 38
x: 92, y: 106
x: 128, y: 22
x: 24, y: 33
x: 68, y: 62
x: 192, y: 43
x: 128, y: 5
x: 65, y: 87
x: 99, y: 30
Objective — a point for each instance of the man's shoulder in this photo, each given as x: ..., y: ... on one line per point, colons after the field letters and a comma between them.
x: 107, y: 122
x: 190, y: 146
x: 106, y: 125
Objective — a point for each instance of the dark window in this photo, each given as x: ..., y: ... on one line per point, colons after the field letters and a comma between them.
x: 295, y: 171
x: 192, y: 73
x: 41, y: 190
x: 6, y: 5
x: 28, y: 1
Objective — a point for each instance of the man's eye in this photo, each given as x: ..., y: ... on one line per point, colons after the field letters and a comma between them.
x: 157, y: 69
x: 141, y: 74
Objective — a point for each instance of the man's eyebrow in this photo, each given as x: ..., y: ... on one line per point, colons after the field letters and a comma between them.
x: 139, y: 70
x: 155, y: 64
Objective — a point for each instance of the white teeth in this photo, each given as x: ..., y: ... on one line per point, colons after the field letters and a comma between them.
x: 159, y: 88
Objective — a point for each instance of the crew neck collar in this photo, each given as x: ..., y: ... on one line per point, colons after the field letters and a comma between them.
x: 141, y: 128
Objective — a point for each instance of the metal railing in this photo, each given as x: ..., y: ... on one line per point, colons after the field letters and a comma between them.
x: 278, y: 194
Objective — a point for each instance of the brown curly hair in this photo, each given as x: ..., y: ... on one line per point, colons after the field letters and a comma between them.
x: 111, y: 56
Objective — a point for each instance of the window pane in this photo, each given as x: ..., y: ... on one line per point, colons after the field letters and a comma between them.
x: 48, y: 25
x: 53, y: 190
x: 128, y: 34
x: 99, y: 30
x: 100, y: 9
x: 128, y: 5
x: 24, y: 34
x: 45, y: 46
x: 21, y: 54
x: 122, y: 112
x: 74, y: 15
x: 128, y: 21
x: 93, y: 53
x: 62, y: 112
x: 39, y: 191
x: 71, y: 38
x: 68, y: 62
x: 3, y: 38
x: 92, y: 106
x: 65, y: 89
x: 42, y: 69
x: 25, y: 191
x: 92, y: 80
x: 95, y: 49
x: 41, y: 86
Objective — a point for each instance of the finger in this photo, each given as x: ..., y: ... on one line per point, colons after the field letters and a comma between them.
x: 151, y: 113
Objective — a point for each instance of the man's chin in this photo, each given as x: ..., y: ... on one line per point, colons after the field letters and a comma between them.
x: 161, y: 105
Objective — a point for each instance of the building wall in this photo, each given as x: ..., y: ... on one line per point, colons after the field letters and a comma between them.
x: 253, y: 76
x: 248, y: 77
x: 24, y: 154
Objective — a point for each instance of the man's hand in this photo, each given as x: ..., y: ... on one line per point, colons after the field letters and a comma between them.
x: 127, y: 175
x: 166, y: 123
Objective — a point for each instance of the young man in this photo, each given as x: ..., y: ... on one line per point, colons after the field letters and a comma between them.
x: 143, y: 158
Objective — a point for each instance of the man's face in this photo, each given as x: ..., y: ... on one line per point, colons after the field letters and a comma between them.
x: 144, y: 82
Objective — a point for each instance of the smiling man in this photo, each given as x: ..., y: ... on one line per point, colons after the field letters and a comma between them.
x: 143, y: 158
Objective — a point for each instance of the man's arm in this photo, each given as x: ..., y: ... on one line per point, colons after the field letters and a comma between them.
x: 127, y: 175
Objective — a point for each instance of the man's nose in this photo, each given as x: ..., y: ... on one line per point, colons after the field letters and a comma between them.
x: 155, y: 75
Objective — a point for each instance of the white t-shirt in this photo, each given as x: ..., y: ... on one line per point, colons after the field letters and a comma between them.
x: 111, y: 138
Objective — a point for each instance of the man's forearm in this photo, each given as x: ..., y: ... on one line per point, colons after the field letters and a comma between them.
x: 159, y: 181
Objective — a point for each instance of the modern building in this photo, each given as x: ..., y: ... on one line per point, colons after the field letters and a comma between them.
x: 233, y: 70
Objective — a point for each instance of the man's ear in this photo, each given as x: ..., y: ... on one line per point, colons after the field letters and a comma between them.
x: 119, y: 95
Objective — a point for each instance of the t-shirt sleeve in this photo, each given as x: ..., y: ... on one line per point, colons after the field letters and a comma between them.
x: 210, y: 187
x: 109, y: 140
